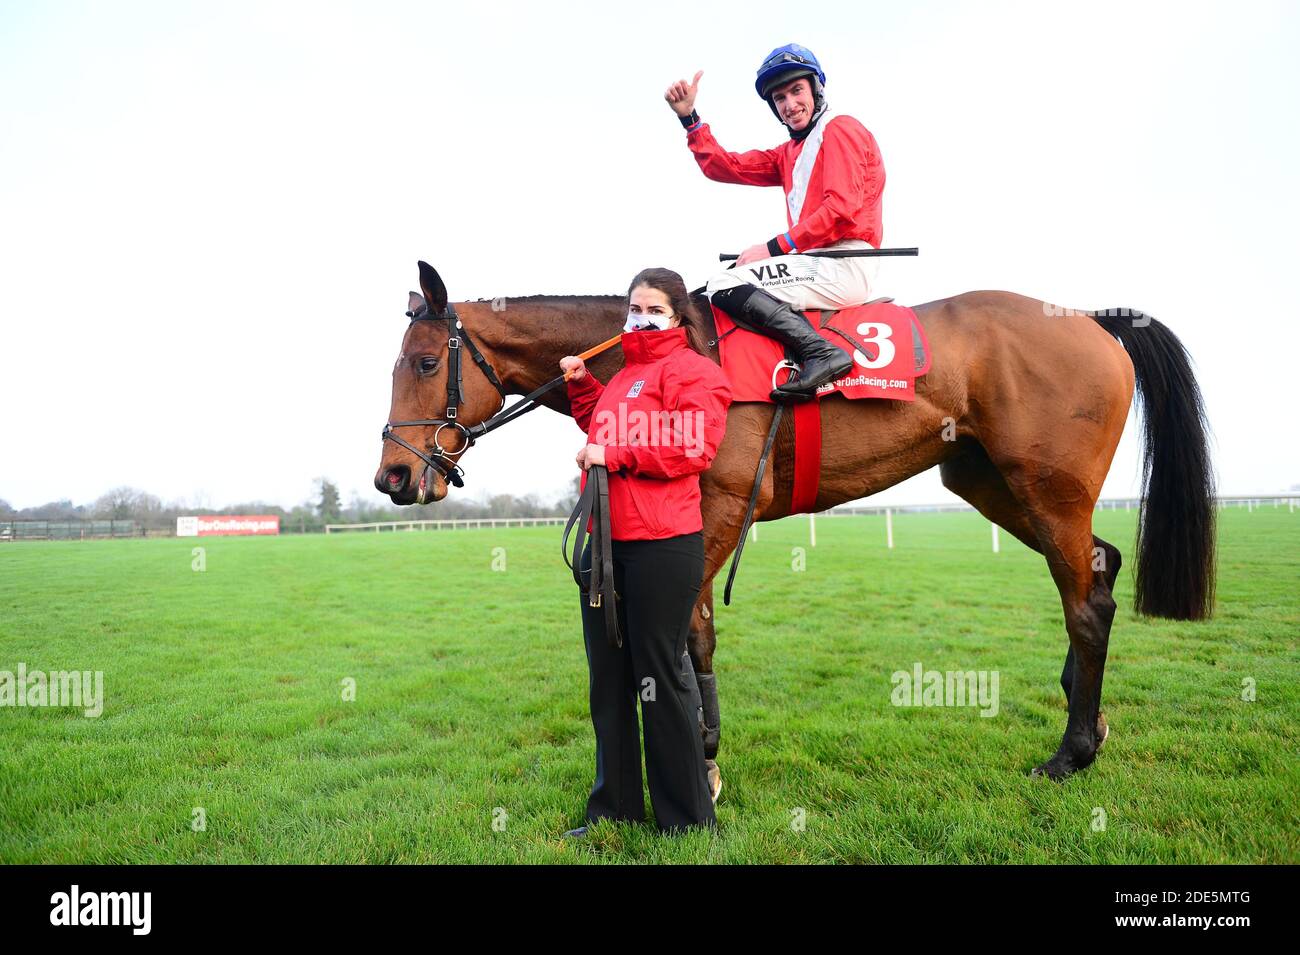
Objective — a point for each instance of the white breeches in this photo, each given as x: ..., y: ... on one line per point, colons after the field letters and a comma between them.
x: 806, y: 281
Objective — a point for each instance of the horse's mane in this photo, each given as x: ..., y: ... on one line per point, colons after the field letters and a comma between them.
x: 575, y: 299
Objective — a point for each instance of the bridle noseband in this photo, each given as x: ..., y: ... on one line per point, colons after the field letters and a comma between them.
x: 440, y: 460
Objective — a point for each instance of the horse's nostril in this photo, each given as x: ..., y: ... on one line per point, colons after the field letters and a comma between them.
x: 394, y: 480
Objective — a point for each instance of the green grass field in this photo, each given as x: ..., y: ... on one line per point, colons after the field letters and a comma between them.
x: 223, y: 691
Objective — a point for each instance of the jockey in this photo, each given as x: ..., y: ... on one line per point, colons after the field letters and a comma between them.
x: 833, y: 177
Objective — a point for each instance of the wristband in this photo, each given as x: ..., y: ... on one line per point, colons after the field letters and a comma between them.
x: 688, y: 121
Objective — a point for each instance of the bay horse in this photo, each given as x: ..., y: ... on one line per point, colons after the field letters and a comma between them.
x: 1021, y: 410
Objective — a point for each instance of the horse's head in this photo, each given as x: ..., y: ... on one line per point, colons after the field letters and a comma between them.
x: 436, y: 399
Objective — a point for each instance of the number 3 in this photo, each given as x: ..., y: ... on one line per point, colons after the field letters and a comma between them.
x: 878, y: 334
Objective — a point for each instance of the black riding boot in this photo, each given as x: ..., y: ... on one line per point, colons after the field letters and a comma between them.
x: 819, y: 360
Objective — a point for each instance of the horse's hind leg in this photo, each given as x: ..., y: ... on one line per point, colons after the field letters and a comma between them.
x: 1084, y: 569
x: 1106, y: 562
x: 1089, y: 612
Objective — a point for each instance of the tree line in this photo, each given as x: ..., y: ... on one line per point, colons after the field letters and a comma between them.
x: 324, y: 507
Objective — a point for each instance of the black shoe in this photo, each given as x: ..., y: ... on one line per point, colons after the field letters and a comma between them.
x: 579, y: 833
x: 819, y: 360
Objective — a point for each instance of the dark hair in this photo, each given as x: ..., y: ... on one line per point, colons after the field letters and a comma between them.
x: 672, y: 285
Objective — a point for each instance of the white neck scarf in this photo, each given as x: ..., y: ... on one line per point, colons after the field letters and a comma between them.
x: 803, y: 167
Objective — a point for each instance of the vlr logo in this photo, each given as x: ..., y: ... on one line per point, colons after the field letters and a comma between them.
x: 778, y: 271
x: 635, y: 389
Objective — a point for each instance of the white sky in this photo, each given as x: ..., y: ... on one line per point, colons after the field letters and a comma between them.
x: 210, y: 214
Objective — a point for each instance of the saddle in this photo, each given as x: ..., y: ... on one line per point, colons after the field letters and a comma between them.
x: 890, y: 352
x: 887, y: 342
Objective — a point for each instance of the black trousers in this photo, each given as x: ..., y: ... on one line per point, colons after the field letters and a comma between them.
x: 658, y: 582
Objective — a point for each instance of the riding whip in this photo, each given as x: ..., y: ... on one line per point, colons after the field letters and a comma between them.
x: 840, y: 253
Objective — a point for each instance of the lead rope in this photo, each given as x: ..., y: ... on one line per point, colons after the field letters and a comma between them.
x: 593, y: 506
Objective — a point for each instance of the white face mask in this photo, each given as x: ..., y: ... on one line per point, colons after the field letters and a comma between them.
x: 643, y: 321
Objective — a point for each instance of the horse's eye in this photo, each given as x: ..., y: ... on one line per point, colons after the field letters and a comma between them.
x: 428, y: 365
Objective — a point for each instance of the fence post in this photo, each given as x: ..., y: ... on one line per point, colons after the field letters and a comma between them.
x: 889, y: 528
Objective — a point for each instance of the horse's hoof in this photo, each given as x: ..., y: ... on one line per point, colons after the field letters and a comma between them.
x: 1046, y: 772
x: 1054, y: 769
x: 1103, y: 730
x: 715, y: 780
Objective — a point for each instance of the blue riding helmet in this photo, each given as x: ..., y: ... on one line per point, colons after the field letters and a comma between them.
x: 784, y: 64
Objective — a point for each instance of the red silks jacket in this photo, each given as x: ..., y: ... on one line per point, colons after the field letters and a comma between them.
x: 843, y: 195
x: 661, y: 419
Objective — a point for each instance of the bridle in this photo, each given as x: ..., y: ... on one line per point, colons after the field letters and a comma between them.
x: 438, y: 458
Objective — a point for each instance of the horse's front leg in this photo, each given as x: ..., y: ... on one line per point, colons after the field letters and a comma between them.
x: 722, y: 517
x: 700, y: 644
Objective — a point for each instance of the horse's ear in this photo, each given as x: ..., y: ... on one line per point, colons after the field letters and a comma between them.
x: 414, y: 303
x: 435, y: 293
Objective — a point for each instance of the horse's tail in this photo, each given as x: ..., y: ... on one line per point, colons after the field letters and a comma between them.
x: 1175, y: 538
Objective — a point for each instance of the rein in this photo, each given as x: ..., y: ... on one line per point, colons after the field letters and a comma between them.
x: 593, y: 506
x: 438, y: 458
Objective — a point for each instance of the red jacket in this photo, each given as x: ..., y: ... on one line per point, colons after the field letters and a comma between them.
x: 843, y: 196
x: 661, y: 419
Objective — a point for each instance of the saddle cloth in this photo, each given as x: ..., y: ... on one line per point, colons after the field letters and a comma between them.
x: 886, y: 340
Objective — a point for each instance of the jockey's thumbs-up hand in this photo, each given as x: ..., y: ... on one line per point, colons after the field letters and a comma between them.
x: 681, y: 95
